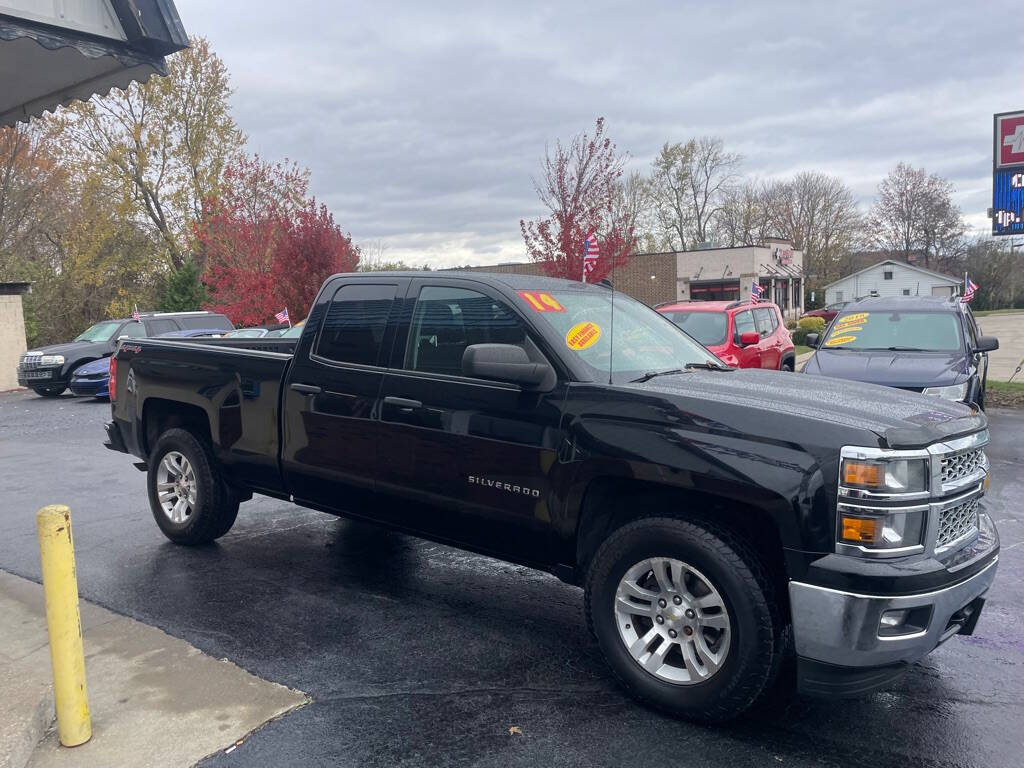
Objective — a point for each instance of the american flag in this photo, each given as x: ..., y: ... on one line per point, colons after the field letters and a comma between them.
x: 590, y: 254
x: 755, y: 293
x: 282, y: 316
x: 969, y: 288
x: 135, y: 313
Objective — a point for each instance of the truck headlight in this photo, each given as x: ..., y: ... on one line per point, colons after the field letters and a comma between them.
x: 955, y: 392
x: 52, y: 360
x: 881, y: 529
x: 886, y: 475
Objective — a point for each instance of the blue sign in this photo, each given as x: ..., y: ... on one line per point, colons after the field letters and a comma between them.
x: 1008, y: 201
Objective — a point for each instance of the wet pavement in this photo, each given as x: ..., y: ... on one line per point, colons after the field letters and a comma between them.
x: 421, y: 655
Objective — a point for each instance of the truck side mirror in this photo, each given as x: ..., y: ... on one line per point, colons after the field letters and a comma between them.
x: 503, y: 362
x: 811, y: 340
x: 749, y: 337
x: 986, y: 344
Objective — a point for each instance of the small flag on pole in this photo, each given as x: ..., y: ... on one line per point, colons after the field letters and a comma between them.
x: 969, y: 288
x: 755, y: 293
x: 135, y: 313
x: 282, y: 316
x: 590, y: 254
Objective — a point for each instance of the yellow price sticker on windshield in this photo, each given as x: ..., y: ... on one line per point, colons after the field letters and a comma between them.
x: 835, y: 341
x: 860, y: 317
x: 583, y: 335
x: 848, y: 329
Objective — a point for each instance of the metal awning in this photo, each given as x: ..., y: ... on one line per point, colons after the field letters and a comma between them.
x: 49, y: 58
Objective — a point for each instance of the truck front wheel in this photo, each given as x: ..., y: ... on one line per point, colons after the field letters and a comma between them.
x: 684, y: 616
x: 190, y: 500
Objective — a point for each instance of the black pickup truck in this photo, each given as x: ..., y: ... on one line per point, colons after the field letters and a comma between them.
x: 719, y: 520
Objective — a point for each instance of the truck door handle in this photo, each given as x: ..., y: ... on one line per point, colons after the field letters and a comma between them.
x: 307, y: 389
x: 403, y: 403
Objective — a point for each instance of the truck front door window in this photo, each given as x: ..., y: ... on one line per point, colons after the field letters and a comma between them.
x: 447, y: 320
x: 354, y: 327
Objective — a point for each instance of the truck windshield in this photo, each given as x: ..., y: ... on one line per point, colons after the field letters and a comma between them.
x: 100, y: 332
x: 709, y: 328
x: 902, y: 331
x: 642, y: 341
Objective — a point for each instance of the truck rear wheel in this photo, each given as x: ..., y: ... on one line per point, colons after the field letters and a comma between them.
x: 685, y: 618
x: 190, y: 500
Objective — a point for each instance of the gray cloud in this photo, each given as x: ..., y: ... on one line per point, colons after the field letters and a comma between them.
x: 424, y: 122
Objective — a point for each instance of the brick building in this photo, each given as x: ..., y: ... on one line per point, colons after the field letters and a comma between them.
x: 708, y: 274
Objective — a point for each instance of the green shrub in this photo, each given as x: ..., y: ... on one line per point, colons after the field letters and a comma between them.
x: 812, y: 324
x: 799, y: 336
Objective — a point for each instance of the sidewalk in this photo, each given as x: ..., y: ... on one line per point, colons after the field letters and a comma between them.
x: 155, y: 699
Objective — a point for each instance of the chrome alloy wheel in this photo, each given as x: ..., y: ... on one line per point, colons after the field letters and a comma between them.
x: 176, y: 487
x: 672, y: 620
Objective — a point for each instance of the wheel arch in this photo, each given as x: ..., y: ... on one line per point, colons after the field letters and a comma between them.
x: 612, y: 502
x: 159, y: 415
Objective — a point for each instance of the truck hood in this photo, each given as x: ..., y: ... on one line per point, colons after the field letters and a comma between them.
x: 894, y: 369
x: 901, y: 419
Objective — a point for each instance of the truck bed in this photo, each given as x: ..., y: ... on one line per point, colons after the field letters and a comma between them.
x: 231, y: 387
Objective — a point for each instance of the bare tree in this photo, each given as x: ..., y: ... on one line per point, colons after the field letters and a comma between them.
x: 746, y: 215
x: 670, y: 192
x: 819, y: 214
x: 632, y: 206
x: 712, y: 172
x: 915, y: 214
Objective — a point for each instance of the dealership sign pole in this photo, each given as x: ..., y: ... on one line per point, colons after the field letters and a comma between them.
x: 1008, y: 174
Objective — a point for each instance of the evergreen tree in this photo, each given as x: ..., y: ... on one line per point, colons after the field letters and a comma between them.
x: 184, y: 291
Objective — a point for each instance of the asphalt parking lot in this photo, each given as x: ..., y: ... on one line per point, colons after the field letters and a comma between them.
x: 418, y: 654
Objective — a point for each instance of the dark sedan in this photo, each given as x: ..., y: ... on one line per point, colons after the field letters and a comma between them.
x: 922, y: 344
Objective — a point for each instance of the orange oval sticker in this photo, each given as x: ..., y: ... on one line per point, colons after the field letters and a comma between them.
x: 837, y: 340
x: 583, y: 335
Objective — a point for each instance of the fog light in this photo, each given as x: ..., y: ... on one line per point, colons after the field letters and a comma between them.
x: 904, y: 621
x: 893, y: 619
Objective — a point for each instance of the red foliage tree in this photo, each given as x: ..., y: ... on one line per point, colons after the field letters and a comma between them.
x: 313, y: 248
x: 578, y: 185
x: 267, y: 246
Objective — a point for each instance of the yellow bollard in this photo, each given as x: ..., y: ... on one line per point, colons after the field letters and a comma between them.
x: 57, y: 552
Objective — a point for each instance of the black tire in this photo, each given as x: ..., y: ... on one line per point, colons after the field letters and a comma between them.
x: 216, y: 507
x: 788, y: 366
x: 55, y: 390
x: 756, y: 629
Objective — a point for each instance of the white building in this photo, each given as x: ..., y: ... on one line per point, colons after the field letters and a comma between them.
x: 891, y: 278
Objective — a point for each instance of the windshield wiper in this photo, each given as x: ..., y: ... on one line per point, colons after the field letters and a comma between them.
x: 651, y: 374
x: 705, y: 366
x: 708, y: 366
x: 904, y: 349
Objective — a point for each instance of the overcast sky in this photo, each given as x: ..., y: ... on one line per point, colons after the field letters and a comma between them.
x: 423, y: 122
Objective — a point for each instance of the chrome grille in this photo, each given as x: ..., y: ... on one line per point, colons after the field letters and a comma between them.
x: 957, y: 522
x: 28, y: 362
x: 959, y: 465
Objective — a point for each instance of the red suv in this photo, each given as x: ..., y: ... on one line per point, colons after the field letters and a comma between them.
x: 739, y: 333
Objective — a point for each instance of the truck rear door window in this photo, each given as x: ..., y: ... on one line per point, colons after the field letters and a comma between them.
x: 156, y: 327
x: 447, y: 320
x: 763, y: 319
x: 356, y: 320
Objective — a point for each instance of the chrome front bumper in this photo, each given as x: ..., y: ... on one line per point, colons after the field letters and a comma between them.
x: 842, y: 628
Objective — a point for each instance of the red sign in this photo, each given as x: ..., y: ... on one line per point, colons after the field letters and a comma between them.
x: 1010, y: 139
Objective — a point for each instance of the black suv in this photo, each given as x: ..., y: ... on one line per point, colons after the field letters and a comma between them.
x: 917, y: 343
x: 47, y: 370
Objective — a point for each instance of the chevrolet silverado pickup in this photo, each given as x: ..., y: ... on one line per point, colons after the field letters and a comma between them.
x: 717, y: 519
